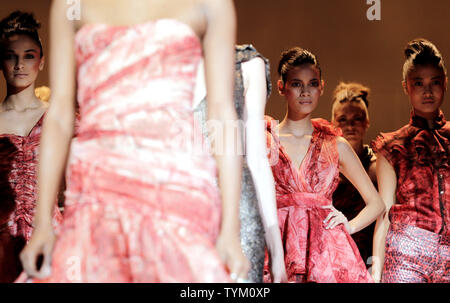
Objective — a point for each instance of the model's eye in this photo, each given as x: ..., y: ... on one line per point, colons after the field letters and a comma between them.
x: 436, y: 82
x: 296, y: 84
x: 342, y: 120
x: 10, y: 57
x: 418, y: 83
x: 29, y: 56
x: 314, y: 84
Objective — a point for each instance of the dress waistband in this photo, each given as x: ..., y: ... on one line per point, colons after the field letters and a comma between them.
x: 303, y: 200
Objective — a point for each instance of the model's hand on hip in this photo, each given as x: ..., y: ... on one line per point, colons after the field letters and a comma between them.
x: 335, y: 218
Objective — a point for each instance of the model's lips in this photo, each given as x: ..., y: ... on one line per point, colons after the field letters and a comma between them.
x: 21, y: 75
x: 305, y: 101
x: 428, y: 101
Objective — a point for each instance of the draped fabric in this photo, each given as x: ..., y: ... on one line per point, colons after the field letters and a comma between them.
x: 311, y: 251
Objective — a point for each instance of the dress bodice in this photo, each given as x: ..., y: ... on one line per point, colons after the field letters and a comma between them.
x: 18, y: 165
x: 319, y: 171
x: 151, y: 65
x: 135, y: 91
x: 420, y: 154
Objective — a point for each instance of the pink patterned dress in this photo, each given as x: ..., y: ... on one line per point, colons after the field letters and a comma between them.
x: 141, y: 203
x: 312, y: 253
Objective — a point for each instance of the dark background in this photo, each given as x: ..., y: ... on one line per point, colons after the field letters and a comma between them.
x: 348, y: 45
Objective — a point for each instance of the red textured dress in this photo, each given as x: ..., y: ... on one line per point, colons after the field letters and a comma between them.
x: 18, y: 179
x: 141, y: 202
x: 312, y: 253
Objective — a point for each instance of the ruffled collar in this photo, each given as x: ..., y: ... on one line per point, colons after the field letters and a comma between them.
x: 431, y: 144
x: 422, y: 123
x: 325, y: 127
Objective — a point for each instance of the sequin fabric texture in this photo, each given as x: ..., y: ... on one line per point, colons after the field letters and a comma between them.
x: 141, y: 205
x: 252, y: 231
x: 312, y: 253
x: 416, y: 255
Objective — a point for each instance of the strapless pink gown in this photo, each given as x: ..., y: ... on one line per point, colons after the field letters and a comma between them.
x: 141, y: 203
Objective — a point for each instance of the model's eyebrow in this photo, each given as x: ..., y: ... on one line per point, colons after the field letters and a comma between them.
x: 434, y: 78
x: 31, y: 50
x: 295, y: 79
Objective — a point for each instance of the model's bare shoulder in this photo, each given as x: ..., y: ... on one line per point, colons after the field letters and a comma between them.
x: 343, y: 144
x: 346, y: 153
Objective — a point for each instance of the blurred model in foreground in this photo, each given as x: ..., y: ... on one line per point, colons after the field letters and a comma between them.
x: 141, y: 203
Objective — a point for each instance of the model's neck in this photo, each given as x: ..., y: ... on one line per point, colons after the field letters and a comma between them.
x: 428, y: 116
x: 358, y: 148
x: 296, y: 125
x: 20, y: 99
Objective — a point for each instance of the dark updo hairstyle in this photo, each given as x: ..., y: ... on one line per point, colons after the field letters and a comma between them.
x: 350, y: 92
x: 20, y: 23
x: 296, y: 56
x: 422, y: 52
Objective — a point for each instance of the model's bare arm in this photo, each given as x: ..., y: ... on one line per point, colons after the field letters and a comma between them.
x: 219, y: 52
x: 352, y: 169
x: 254, y: 76
x: 387, y: 184
x: 55, y: 140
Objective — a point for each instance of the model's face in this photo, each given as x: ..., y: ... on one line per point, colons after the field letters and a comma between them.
x: 302, y: 89
x: 425, y: 86
x: 352, y: 118
x: 21, y: 61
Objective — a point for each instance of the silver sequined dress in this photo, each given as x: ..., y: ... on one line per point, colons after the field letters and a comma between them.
x: 252, y: 231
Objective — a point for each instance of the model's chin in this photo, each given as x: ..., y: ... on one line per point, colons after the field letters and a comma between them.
x: 429, y: 108
x: 307, y: 106
x: 19, y: 85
